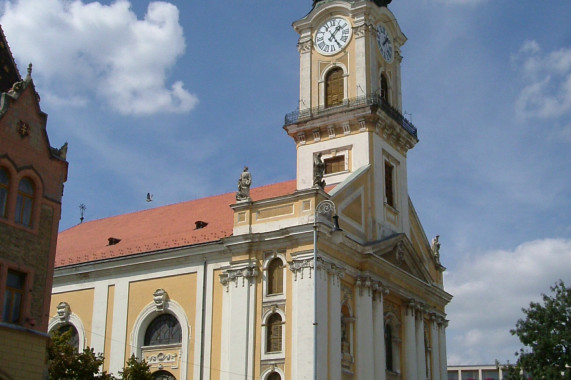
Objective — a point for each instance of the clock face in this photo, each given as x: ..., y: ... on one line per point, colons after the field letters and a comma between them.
x: 385, y: 43
x: 332, y: 36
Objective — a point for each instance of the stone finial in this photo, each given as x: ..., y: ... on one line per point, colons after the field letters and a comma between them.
x: 63, y: 311
x: 63, y: 151
x: 244, y: 183
x: 160, y: 299
x: 29, y: 70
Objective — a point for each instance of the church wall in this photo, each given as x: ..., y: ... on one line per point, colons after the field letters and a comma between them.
x: 81, y: 303
x: 109, y: 324
x: 216, y: 331
x: 180, y: 288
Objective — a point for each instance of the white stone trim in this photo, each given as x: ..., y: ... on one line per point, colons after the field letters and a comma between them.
x: 265, y: 353
x: 280, y: 254
x: 74, y: 320
x: 321, y: 82
x: 269, y: 371
x: 147, y: 315
x: 99, y: 319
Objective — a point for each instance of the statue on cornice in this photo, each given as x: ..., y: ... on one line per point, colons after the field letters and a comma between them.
x: 243, y: 193
x: 318, y: 171
x: 435, y: 247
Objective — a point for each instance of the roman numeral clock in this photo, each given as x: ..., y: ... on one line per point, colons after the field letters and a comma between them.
x: 332, y: 36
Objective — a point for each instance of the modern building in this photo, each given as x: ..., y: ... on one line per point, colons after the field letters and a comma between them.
x: 263, y: 284
x: 477, y: 372
x: 32, y: 174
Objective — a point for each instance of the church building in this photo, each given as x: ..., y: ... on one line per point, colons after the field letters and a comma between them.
x: 327, y: 276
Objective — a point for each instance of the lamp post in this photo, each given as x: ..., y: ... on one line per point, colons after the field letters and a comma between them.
x: 325, y: 207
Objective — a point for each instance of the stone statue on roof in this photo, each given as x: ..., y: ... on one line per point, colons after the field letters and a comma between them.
x: 435, y: 247
x: 244, y: 182
x: 318, y: 171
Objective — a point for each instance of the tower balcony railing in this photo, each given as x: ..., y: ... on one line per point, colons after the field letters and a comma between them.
x: 370, y: 100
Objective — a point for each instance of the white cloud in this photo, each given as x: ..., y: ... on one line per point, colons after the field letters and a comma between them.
x: 489, y: 291
x: 102, y: 50
x: 547, y: 93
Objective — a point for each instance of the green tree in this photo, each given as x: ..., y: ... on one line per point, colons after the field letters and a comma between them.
x: 136, y: 370
x: 66, y: 363
x: 546, y: 336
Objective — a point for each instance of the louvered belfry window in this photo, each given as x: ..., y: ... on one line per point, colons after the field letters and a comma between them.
x: 334, y: 92
x: 274, y: 333
x: 164, y: 329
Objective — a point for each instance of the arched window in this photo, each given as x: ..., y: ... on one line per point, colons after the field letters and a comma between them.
x: 389, y: 348
x: 25, y: 202
x: 163, y: 375
x: 64, y: 328
x: 274, y: 376
x: 274, y: 333
x: 164, y: 329
x: 275, y: 277
x: 384, y: 88
x: 4, y: 183
x: 334, y: 87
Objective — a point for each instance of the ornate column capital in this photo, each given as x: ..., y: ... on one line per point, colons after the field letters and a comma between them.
x: 411, y: 307
x: 246, y: 273
x: 304, y: 46
x: 299, y: 266
x: 373, y: 287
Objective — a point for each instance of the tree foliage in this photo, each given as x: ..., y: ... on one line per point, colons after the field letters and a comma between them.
x: 546, y: 336
x: 136, y: 370
x: 66, y: 363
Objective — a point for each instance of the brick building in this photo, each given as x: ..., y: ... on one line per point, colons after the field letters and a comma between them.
x: 32, y: 174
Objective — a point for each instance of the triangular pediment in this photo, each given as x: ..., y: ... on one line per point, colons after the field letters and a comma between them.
x: 399, y: 251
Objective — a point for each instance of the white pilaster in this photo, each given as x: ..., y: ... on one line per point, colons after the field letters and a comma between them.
x: 335, y: 327
x: 119, y: 333
x: 305, y: 47
x: 442, y: 342
x: 302, y: 318
x: 435, y: 352
x: 240, y: 320
x: 322, y: 320
x: 361, y: 66
x: 99, y: 317
x: 410, y: 343
x: 420, y: 351
x: 379, y: 334
x: 364, y: 329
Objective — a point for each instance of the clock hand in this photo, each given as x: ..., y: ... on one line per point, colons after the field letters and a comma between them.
x: 332, y: 38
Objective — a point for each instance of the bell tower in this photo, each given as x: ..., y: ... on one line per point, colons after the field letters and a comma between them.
x: 350, y: 103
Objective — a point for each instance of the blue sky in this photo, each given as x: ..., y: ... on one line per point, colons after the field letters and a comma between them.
x: 174, y: 98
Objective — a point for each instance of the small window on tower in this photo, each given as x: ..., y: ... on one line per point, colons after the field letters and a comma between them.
x: 389, y: 185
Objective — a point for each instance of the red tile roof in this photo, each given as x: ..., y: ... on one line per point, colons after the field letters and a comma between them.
x: 156, y: 229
